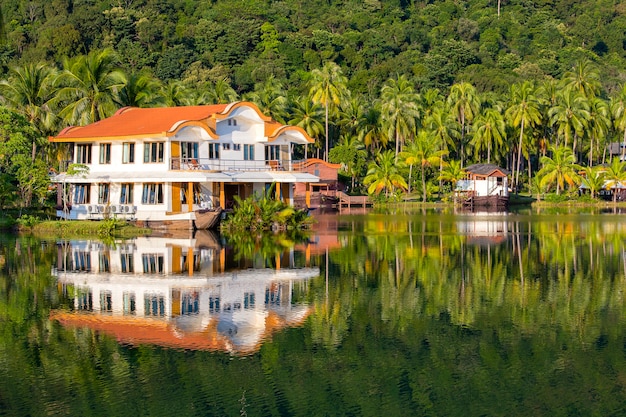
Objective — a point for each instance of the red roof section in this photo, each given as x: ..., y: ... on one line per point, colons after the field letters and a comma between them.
x: 133, y: 121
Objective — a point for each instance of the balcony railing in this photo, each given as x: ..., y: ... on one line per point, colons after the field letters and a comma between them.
x: 195, y: 164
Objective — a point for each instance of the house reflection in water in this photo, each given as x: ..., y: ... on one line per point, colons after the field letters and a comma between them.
x: 483, y: 228
x: 181, y: 293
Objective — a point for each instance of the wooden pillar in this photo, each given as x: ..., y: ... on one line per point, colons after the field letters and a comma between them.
x: 277, y: 259
x: 277, y: 189
x: 222, y: 197
x: 222, y: 259
x: 190, y: 196
x: 307, y: 195
x: 190, y: 261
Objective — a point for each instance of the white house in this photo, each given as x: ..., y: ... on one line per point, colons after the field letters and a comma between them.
x: 485, y: 185
x: 169, y: 166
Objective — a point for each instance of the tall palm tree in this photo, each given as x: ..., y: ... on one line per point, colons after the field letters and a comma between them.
x: 570, y: 115
x: 489, y: 132
x: 593, y: 179
x: 350, y: 153
x: 176, y: 93
x: 221, y: 92
x: 425, y: 152
x: 615, y: 175
x: 271, y: 98
x: 383, y: 175
x: 584, y: 78
x: 559, y: 169
x: 140, y: 90
x: 453, y: 172
x: 618, y: 111
x: 87, y: 87
x: 370, y: 129
x: 328, y: 87
x: 399, y: 109
x: 464, y: 105
x: 598, y: 124
x: 308, y: 116
x: 523, y: 112
x: 29, y: 90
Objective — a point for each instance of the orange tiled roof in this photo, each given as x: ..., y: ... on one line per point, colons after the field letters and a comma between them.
x: 137, y: 122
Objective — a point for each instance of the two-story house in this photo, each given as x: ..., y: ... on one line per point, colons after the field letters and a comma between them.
x: 174, y: 166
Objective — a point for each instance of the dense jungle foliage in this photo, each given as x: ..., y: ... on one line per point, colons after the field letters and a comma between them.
x: 403, y: 94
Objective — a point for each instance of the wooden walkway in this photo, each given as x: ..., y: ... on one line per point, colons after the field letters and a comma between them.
x: 346, y: 200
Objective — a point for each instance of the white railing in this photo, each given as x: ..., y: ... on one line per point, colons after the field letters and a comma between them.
x: 111, y: 209
x: 205, y: 164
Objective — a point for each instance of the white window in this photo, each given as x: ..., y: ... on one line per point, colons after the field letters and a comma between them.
x: 272, y: 153
x: 130, y: 305
x: 83, y: 154
x: 189, y: 150
x: 81, y: 194
x: 126, y: 193
x: 105, y: 153
x: 248, y: 152
x: 154, y: 305
x: 226, y: 146
x: 128, y: 153
x: 152, y: 193
x: 105, y: 301
x: 153, y: 152
x: 152, y: 263
x: 214, y: 151
x: 103, y: 193
x: 236, y: 146
x: 232, y: 122
x: 127, y: 262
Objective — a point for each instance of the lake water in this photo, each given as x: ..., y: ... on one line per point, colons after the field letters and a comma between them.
x: 395, y: 314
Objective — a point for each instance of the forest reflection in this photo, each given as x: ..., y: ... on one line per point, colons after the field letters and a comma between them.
x: 533, y: 272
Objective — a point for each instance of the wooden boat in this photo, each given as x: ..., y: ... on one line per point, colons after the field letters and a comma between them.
x: 207, y: 218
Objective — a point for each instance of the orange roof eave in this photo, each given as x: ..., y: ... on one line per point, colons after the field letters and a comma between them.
x: 272, y: 135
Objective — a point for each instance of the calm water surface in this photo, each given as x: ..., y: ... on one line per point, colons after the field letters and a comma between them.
x: 394, y: 314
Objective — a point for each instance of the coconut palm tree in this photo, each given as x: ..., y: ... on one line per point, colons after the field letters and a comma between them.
x: 220, y: 92
x: 618, y: 111
x: 271, y: 98
x: 351, y: 154
x: 370, y: 129
x: 452, y: 172
x: 87, y: 87
x: 464, y: 105
x: 489, y: 132
x: 176, y: 93
x: 584, y: 78
x: 593, y: 179
x: 615, y: 175
x: 425, y: 152
x: 598, y: 124
x: 29, y: 90
x: 559, y: 168
x: 523, y: 112
x: 308, y: 116
x: 570, y: 115
x: 400, y: 111
x: 140, y: 90
x: 383, y: 175
x: 328, y: 87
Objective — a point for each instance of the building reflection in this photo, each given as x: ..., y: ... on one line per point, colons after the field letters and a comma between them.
x: 483, y: 228
x: 188, y: 293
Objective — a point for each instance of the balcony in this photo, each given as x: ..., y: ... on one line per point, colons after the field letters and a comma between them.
x: 202, y: 164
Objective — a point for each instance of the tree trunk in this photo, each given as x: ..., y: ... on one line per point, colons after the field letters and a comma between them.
x: 519, y: 156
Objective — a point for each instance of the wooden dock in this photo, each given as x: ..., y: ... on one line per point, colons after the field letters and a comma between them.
x: 349, y: 201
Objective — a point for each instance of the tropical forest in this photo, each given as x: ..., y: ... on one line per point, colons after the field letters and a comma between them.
x: 403, y: 94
